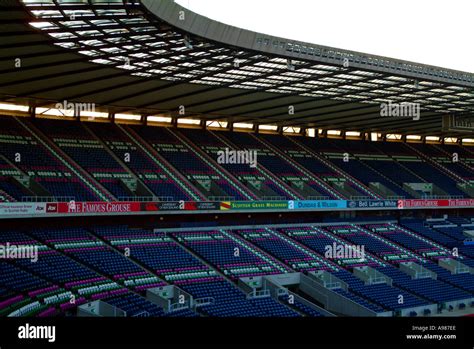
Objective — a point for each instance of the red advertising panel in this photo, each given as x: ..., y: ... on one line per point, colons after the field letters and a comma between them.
x: 98, y: 207
x: 426, y: 203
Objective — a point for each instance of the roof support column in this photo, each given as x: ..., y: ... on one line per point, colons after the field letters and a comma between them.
x: 32, y: 111
x: 255, y: 128
x: 144, y: 119
x: 174, y: 122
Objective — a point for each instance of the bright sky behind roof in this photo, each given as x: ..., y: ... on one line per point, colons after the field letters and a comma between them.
x: 435, y: 32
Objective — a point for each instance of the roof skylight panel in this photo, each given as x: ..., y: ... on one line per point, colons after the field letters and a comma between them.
x: 204, y: 82
x: 113, y: 50
x: 296, y: 75
x: 211, y: 78
x: 352, y: 87
x: 102, y: 61
x: 254, y: 69
x: 274, y: 90
x: 145, y: 75
x: 143, y: 29
x: 326, y: 67
x: 199, y: 54
x: 157, y: 71
x: 395, y: 78
x: 88, y: 32
x: 307, y: 87
x: 286, y: 89
x: 357, y: 96
x: 62, y: 35
x: 184, y: 75
x: 312, y: 71
x: 102, y: 22
x: 75, y: 24
x: 366, y: 84
x: 127, y: 67
x: 315, y: 95
x: 228, y: 75
x: 319, y: 83
x: 329, y: 93
x: 89, y: 53
x: 394, y: 89
x: 143, y: 64
x: 93, y: 42
x: 116, y: 31
x: 44, y: 25
x: 436, y: 99
x: 140, y: 55
x: 134, y: 20
x: 211, y: 69
x: 332, y: 79
x: 244, y: 73
x: 68, y: 45
x: 346, y: 76
x: 46, y: 13
x: 78, y: 13
x: 37, y: 2
x: 110, y: 12
x: 271, y: 65
x: 283, y: 78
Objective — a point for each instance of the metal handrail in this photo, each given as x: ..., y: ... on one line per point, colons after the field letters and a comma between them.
x: 146, y: 198
x: 361, y: 198
x: 318, y: 197
x: 48, y: 198
x: 274, y: 198
x: 221, y: 198
x: 433, y: 197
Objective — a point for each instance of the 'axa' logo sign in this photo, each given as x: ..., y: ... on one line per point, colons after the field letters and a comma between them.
x: 51, y: 208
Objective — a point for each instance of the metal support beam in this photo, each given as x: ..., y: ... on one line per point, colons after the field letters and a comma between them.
x: 255, y: 128
x: 32, y: 111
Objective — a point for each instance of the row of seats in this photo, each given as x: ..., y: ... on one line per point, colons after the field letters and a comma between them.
x: 116, y: 261
x: 112, y: 157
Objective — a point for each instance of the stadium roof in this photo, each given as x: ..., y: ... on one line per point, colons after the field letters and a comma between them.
x: 149, y: 57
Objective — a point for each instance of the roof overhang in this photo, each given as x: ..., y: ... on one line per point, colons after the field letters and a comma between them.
x: 150, y: 57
